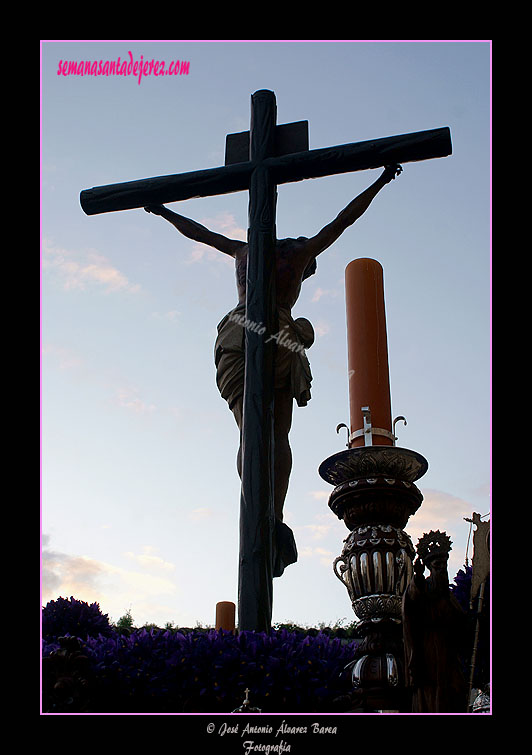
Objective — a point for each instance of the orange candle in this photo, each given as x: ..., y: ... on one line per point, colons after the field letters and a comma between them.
x: 367, y: 350
x: 225, y: 616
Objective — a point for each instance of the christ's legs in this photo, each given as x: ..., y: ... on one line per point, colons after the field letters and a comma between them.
x: 237, y: 413
x: 282, y: 452
x: 285, y: 549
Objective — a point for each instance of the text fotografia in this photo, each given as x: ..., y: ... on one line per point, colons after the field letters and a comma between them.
x: 118, y: 67
x: 281, y: 338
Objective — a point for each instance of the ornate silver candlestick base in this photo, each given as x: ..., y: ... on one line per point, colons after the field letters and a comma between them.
x: 375, y: 495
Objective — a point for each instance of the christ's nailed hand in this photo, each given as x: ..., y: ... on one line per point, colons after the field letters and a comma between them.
x: 391, y: 171
x: 156, y: 209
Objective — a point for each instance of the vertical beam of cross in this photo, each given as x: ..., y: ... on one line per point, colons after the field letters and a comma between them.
x: 255, y: 579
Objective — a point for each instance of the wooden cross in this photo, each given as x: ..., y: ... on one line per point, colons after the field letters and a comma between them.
x: 257, y: 161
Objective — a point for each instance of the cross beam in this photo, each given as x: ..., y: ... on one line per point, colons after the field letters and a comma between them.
x: 315, y: 163
x: 266, y: 167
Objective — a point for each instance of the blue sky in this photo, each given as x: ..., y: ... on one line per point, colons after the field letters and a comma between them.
x: 140, y: 495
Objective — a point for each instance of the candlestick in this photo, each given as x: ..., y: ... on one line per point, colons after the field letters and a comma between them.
x: 374, y: 495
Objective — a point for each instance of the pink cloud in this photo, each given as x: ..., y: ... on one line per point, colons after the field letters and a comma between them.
x: 80, y: 270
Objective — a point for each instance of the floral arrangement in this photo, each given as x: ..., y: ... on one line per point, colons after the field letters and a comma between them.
x: 197, y: 671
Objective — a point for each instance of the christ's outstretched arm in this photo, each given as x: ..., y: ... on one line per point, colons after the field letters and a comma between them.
x: 347, y: 217
x: 196, y: 231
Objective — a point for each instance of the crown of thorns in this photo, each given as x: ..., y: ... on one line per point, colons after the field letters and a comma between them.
x: 433, y: 544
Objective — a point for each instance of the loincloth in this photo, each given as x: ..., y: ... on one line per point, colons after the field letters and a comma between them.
x: 292, y: 368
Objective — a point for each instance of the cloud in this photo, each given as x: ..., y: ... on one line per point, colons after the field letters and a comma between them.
x: 445, y: 512
x: 201, y: 514
x: 66, y: 359
x: 117, y: 390
x: 324, y: 556
x: 320, y: 495
x: 319, y: 293
x: 225, y: 224
x: 69, y: 575
x: 127, y: 399
x: 114, y: 588
x: 482, y: 491
x: 172, y: 316
x: 324, y: 528
x: 439, y: 511
x: 81, y: 270
x: 148, y: 560
x: 322, y: 328
x: 318, y: 531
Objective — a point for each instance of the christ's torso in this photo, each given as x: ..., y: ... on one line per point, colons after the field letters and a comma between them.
x: 290, y: 264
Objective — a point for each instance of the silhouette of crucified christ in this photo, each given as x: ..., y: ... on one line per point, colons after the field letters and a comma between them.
x: 295, y: 260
